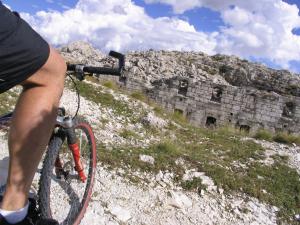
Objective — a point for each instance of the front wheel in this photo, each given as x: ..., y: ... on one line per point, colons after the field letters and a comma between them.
x: 62, y: 195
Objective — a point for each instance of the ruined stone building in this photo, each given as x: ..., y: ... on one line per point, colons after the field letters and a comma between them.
x: 207, y: 104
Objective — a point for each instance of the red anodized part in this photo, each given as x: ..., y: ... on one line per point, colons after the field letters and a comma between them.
x: 78, y: 164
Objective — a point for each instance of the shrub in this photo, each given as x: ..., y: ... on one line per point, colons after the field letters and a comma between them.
x: 194, y: 184
x: 286, y: 138
x: 178, y: 117
x: 263, y: 135
x: 110, y: 84
x: 139, y: 96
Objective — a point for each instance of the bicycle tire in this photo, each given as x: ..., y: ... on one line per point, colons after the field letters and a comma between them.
x: 46, y: 182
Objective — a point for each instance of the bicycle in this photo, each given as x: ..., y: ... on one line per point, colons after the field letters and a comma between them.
x: 70, y: 159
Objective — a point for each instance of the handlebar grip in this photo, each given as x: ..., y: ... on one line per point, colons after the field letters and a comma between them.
x: 81, y: 69
x: 120, y: 57
x: 71, y: 67
x: 102, y: 70
x: 116, y: 54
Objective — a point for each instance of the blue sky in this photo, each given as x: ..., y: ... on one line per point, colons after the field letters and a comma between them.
x: 203, y: 19
x: 32, y: 6
x: 206, y: 24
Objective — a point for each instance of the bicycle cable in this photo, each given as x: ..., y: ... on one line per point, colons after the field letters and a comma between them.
x: 78, y: 96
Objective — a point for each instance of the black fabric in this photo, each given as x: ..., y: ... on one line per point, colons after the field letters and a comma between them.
x: 22, y: 50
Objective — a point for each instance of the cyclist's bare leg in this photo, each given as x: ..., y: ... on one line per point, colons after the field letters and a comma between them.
x: 31, y: 127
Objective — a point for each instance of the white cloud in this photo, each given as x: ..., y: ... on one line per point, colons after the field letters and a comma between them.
x: 254, y: 29
x: 119, y: 25
x: 260, y: 29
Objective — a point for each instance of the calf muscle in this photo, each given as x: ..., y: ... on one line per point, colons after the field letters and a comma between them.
x: 30, y: 131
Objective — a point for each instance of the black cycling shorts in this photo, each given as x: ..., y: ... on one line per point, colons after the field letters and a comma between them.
x: 22, y: 51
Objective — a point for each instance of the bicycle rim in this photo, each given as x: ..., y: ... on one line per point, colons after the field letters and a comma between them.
x: 66, y: 197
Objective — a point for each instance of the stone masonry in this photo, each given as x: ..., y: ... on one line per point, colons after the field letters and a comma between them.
x: 208, y: 104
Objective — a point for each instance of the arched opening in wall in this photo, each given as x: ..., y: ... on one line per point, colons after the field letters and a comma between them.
x: 183, y: 87
x: 289, y: 109
x: 189, y: 114
x: 178, y: 111
x: 211, y: 122
x: 230, y: 117
x: 245, y: 128
x: 216, y: 94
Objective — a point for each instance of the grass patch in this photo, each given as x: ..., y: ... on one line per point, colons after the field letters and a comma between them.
x: 97, y: 95
x: 281, y: 137
x: 163, y: 153
x: 178, y: 117
x: 286, y: 138
x: 110, y: 84
x: 193, y: 185
x: 139, y: 96
x: 158, y: 110
x: 263, y: 135
x: 282, y: 188
x: 128, y: 134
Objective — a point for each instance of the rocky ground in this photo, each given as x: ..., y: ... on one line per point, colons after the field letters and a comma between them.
x: 116, y: 200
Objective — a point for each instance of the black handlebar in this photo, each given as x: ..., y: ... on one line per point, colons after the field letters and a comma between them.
x: 81, y: 69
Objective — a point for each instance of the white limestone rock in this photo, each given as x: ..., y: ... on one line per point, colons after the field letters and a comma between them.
x: 147, y: 158
x: 179, y: 200
x: 121, y: 214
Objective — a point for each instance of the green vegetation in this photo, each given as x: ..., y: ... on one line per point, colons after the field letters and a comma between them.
x: 97, y: 95
x: 286, y: 138
x: 263, y: 135
x: 280, y: 137
x: 127, y: 134
x: 293, y: 89
x: 209, y: 70
x: 158, y: 110
x: 110, y: 84
x: 218, y: 57
x: 193, y: 185
x: 139, y: 96
x: 178, y: 117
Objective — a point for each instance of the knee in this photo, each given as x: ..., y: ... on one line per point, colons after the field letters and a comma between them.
x: 57, y: 66
x: 51, y: 75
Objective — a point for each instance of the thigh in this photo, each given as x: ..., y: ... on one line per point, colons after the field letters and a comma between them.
x: 22, y: 50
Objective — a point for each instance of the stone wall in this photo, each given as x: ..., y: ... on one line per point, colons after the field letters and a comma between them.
x: 209, y: 104
x: 205, y: 103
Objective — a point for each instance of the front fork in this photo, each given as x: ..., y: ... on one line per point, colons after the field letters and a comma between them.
x: 74, y: 147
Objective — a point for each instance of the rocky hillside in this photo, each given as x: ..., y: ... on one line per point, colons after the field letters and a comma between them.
x: 149, y: 66
x: 155, y: 168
